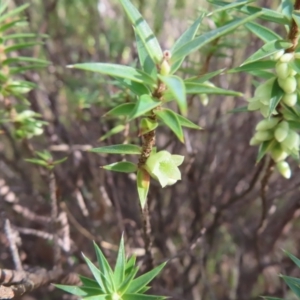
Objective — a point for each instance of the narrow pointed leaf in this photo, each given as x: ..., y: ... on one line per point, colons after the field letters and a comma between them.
x: 122, y: 166
x: 208, y: 37
x: 266, y: 14
x: 13, y: 12
x: 24, y: 59
x: 143, y: 105
x: 141, y: 297
x: 267, y: 50
x: 11, y: 24
x: 117, y: 71
x: 264, y: 33
x: 87, y: 282
x: 105, y: 268
x: 79, y: 290
x: 264, y: 148
x: 97, y: 274
x: 111, y: 132
x: 144, y: 31
x: 276, y: 96
x: 204, y: 77
x: 184, y: 122
x: 176, y: 87
x: 228, y: 6
x: 202, y: 88
x: 119, y: 272
x: 98, y: 297
x: 23, y: 36
x: 142, y: 281
x: 171, y: 120
x: 21, y: 46
x: 135, y: 87
x: 128, y: 279
x: 293, y: 283
x: 145, y: 60
x: 118, y: 149
x: 143, y: 183
x: 186, y: 37
x: 293, y: 258
x: 239, y: 109
x: 256, y: 65
x: 121, y: 110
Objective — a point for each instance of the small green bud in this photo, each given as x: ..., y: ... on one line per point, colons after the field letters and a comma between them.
x: 267, y: 124
x: 290, y: 99
x: 204, y: 99
x: 284, y: 169
x: 263, y: 135
x: 278, y: 54
x: 291, y: 141
x: 286, y: 57
x: 288, y: 84
x: 281, y: 131
x: 278, y: 154
x: 282, y: 70
x: 254, y: 142
x: 165, y: 68
x: 147, y: 125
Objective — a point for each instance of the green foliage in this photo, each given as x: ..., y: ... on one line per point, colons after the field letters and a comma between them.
x: 26, y: 123
x: 153, y: 85
x: 45, y: 159
x: 118, y: 284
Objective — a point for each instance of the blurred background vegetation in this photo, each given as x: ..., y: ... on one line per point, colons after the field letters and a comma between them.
x: 221, y: 230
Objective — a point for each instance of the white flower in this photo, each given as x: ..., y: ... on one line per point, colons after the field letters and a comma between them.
x: 163, y: 166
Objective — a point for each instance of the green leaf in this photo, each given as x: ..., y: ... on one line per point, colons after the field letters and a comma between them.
x: 267, y: 50
x: 143, y: 183
x: 21, y: 46
x: 122, y: 166
x: 105, y: 269
x: 24, y: 59
x: 147, y: 125
x: 293, y: 283
x: 262, y: 74
x: 208, y: 37
x: 79, y: 290
x: 119, y: 272
x: 145, y: 60
x: 171, y: 120
x: 135, y: 87
x: 205, y: 77
x: 117, y: 71
x: 228, y: 6
x: 186, y: 37
x: 14, y: 12
x: 87, y: 282
x: 176, y: 87
x: 140, y: 282
x: 264, y: 148
x: 264, y: 33
x: 98, y: 297
x: 143, y: 105
x: 118, y: 149
x: 239, y: 109
x: 202, y: 88
x: 143, y: 30
x: 11, y: 24
x: 98, y: 275
x: 111, y: 132
x: 121, y: 110
x: 256, y: 65
x: 184, y: 122
x: 23, y: 36
x: 38, y: 162
x: 141, y: 297
x: 129, y: 276
x: 276, y: 96
x: 266, y: 14
x: 287, y: 7
x: 293, y: 258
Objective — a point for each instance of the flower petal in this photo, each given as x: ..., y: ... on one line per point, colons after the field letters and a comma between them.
x: 177, y: 159
x: 170, y: 170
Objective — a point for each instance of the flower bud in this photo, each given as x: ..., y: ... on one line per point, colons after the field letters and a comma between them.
x: 284, y: 169
x: 290, y: 99
x: 282, y: 130
x: 254, y: 142
x: 263, y: 135
x: 165, y: 68
x: 291, y: 141
x: 204, y: 99
x: 293, y: 72
x: 288, y: 84
x: 287, y: 57
x: 282, y: 70
x: 267, y: 124
x: 278, y: 154
x: 278, y: 54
